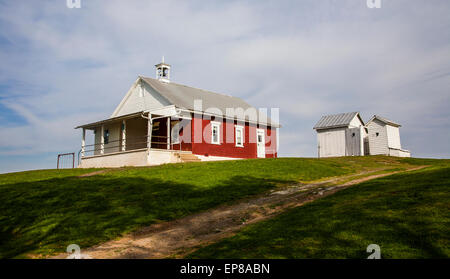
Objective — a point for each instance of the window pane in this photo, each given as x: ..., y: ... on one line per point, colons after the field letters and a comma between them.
x: 106, y: 137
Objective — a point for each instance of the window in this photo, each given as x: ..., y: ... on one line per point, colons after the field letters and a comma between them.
x: 215, y: 132
x: 239, y: 136
x: 377, y: 134
x: 106, y: 136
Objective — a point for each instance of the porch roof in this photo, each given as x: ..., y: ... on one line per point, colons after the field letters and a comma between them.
x: 109, y: 120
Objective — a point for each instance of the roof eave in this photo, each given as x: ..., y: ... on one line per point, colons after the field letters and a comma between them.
x: 384, y: 120
x: 97, y: 123
x: 330, y: 127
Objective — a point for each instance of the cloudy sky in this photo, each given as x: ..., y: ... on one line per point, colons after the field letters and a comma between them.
x: 61, y: 67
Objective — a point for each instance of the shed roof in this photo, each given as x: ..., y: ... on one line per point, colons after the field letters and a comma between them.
x: 384, y: 120
x: 337, y: 120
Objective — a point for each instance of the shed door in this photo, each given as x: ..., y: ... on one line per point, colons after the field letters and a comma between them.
x: 352, y: 142
x: 260, y: 143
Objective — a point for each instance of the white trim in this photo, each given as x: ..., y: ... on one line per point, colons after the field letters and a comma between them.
x: 102, y: 140
x: 218, y: 125
x: 166, y: 111
x: 241, y: 128
x: 125, y: 98
x: 168, y: 132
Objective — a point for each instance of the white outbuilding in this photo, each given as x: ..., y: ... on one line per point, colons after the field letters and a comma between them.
x: 345, y: 134
x: 384, y: 137
x: 340, y: 135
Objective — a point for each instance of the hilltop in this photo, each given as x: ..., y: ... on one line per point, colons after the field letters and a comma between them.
x: 44, y: 211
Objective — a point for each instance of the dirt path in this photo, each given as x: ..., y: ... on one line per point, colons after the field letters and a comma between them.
x: 89, y: 174
x: 180, y: 237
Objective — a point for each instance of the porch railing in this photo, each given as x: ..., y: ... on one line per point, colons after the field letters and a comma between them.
x: 129, y: 144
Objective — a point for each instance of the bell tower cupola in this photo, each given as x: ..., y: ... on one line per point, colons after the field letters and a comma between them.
x: 163, y: 71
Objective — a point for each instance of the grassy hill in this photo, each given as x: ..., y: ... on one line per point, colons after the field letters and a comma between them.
x: 407, y: 215
x: 41, y: 212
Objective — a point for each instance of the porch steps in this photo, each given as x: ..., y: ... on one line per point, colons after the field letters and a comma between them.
x: 188, y: 157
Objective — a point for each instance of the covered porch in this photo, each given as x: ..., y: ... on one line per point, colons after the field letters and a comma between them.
x: 138, y: 139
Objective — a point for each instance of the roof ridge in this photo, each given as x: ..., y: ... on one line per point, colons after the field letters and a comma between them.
x: 384, y: 119
x: 208, y: 91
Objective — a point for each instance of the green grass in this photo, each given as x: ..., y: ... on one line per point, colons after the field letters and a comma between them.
x: 407, y: 215
x: 41, y: 212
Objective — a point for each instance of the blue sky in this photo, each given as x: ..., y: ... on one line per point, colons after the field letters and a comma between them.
x: 62, y: 67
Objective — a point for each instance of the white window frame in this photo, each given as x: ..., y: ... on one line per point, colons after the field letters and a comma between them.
x: 240, y: 128
x: 215, y: 124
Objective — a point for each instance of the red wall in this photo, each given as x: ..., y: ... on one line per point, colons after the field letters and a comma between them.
x: 271, y: 143
x: 230, y: 149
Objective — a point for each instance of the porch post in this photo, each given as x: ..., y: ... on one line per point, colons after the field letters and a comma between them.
x: 102, y: 140
x: 124, y: 135
x: 149, y: 132
x: 168, y: 133
x: 83, y: 142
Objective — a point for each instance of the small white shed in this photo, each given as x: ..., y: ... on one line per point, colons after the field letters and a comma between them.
x: 341, y: 135
x: 384, y: 137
